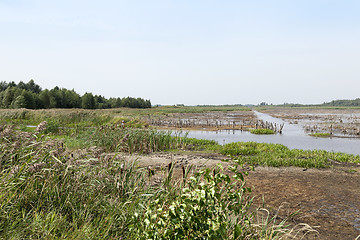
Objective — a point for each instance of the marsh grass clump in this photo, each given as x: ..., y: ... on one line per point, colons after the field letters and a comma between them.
x: 200, y: 144
x: 263, y: 131
x: 324, y: 135
x: 134, y: 140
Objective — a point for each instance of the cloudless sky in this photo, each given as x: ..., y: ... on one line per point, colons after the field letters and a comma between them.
x: 190, y: 52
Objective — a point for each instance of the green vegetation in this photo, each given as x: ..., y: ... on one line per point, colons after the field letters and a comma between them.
x: 350, y: 103
x: 276, y: 155
x: 48, y: 192
x: 209, y: 205
x: 31, y: 96
x: 97, y: 117
x: 320, y: 134
x: 130, y: 140
x: 67, y: 179
x: 351, y: 170
x: 262, y: 131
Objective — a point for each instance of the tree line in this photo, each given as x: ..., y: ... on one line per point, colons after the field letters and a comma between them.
x: 344, y: 102
x: 32, y: 96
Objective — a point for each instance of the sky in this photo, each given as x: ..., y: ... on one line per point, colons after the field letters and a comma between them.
x: 190, y: 52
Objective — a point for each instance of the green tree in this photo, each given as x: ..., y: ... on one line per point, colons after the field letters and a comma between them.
x: 33, y: 87
x: 73, y: 99
x: 20, y: 102
x: 8, y: 97
x: 3, y: 86
x: 34, y: 97
x: 45, y: 98
x: 29, y: 99
x: 88, y: 101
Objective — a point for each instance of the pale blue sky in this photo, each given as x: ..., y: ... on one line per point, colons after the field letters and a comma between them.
x: 190, y: 52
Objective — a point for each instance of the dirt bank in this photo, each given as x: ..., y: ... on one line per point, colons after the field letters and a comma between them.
x: 327, y: 199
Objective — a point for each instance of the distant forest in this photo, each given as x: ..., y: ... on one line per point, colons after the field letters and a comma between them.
x: 349, y: 103
x: 32, y: 96
x: 334, y: 103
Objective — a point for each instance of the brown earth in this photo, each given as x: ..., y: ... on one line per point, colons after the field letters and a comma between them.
x: 327, y: 199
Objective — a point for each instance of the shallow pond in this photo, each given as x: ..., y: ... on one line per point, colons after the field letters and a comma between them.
x: 293, y: 136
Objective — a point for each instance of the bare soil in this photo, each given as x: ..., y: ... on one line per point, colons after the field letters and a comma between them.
x: 327, y: 199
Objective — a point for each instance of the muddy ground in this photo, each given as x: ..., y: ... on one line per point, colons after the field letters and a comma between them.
x: 327, y: 199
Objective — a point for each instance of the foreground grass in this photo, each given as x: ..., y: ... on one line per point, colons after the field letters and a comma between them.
x: 48, y: 192
x: 61, y: 182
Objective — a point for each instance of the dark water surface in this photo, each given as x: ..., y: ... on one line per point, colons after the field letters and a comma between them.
x: 293, y: 136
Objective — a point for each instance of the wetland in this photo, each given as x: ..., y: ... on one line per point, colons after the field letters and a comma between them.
x: 97, y: 173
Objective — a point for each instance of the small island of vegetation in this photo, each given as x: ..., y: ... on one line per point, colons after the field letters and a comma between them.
x: 262, y: 131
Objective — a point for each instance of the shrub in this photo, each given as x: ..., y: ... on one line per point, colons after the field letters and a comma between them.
x: 211, y: 205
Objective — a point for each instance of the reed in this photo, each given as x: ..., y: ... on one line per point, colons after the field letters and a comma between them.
x: 130, y: 140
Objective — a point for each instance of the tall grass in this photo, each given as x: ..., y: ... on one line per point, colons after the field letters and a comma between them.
x: 47, y: 193
x: 63, y: 117
x: 113, y: 138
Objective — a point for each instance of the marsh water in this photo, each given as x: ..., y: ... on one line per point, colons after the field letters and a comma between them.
x: 293, y: 136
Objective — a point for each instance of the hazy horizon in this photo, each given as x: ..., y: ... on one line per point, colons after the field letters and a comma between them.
x: 188, y: 52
